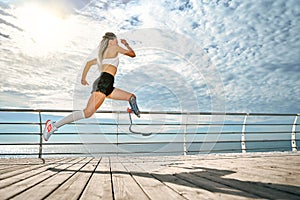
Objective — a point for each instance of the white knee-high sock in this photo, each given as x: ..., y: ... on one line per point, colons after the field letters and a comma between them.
x: 76, y: 115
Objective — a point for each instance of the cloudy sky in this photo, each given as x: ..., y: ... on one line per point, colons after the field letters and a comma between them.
x: 197, y: 55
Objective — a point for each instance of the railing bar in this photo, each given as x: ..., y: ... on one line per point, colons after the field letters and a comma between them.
x: 19, y: 154
x: 178, y: 124
x: 20, y: 134
x: 269, y: 140
x: 19, y: 123
x: 24, y: 144
x: 146, y: 124
x: 144, y: 143
x: 268, y: 148
x: 161, y: 133
x: 152, y: 112
x: 112, y: 152
x: 219, y: 150
x: 232, y: 133
x: 238, y: 132
x: 215, y: 151
x: 139, y: 152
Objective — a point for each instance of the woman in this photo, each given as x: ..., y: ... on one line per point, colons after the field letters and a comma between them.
x: 108, y: 63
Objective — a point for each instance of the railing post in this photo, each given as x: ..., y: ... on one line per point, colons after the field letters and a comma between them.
x: 41, y: 136
x: 293, y: 139
x: 243, y: 141
x: 184, y: 136
x: 118, y: 118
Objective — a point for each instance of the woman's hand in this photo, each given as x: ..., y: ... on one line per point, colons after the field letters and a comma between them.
x: 86, y: 69
x: 123, y: 41
x: 84, y: 82
x: 129, y: 51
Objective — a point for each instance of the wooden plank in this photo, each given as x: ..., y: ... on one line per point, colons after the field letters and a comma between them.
x: 124, y: 186
x: 261, y: 172
x: 228, y: 176
x: 270, y: 162
x: 252, y: 169
x: 192, y: 187
x: 51, y: 184
x: 285, y: 161
x: 242, y: 173
x: 3, y: 168
x: 154, y: 188
x: 27, y: 184
x: 241, y: 163
x: 28, y: 174
x: 21, y: 169
x: 166, y: 175
x: 220, y: 190
x: 12, y: 168
x: 13, y: 161
x: 259, y: 189
x: 186, y: 189
x: 99, y: 186
x: 73, y: 187
x: 9, y: 165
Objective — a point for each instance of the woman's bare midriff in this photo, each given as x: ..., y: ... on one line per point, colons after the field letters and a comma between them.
x: 110, y: 69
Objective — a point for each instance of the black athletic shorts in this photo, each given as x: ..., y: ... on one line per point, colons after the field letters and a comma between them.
x: 104, y: 84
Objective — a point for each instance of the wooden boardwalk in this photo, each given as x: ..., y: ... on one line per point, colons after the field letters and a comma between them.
x: 225, y: 176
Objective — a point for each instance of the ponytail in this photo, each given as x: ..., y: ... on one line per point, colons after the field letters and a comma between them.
x: 104, y: 43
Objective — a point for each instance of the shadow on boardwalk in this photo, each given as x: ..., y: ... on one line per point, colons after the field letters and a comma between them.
x: 213, y: 180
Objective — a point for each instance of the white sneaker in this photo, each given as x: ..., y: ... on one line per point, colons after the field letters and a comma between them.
x: 49, y: 130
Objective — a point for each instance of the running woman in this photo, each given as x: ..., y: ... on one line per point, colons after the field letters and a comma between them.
x: 103, y: 87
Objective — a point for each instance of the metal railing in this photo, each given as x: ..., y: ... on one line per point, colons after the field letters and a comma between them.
x: 171, y: 133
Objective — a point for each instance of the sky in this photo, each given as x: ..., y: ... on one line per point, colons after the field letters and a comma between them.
x: 192, y: 55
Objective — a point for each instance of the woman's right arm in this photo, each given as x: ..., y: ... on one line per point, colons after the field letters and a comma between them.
x: 86, y: 70
x: 129, y: 51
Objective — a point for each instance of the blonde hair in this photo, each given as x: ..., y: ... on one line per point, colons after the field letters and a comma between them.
x: 104, y: 43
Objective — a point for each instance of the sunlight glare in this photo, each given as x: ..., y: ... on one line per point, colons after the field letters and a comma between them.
x: 45, y: 31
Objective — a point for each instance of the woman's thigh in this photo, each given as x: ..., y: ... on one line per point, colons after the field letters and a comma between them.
x: 95, y: 101
x: 119, y: 94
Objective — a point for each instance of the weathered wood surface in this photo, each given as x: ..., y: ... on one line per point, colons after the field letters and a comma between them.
x: 221, y: 176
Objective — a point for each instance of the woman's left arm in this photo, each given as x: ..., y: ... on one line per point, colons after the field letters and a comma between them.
x: 86, y: 70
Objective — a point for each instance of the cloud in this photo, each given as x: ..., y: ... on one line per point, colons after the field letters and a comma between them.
x: 9, y: 24
x: 253, y: 44
x: 3, y: 35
